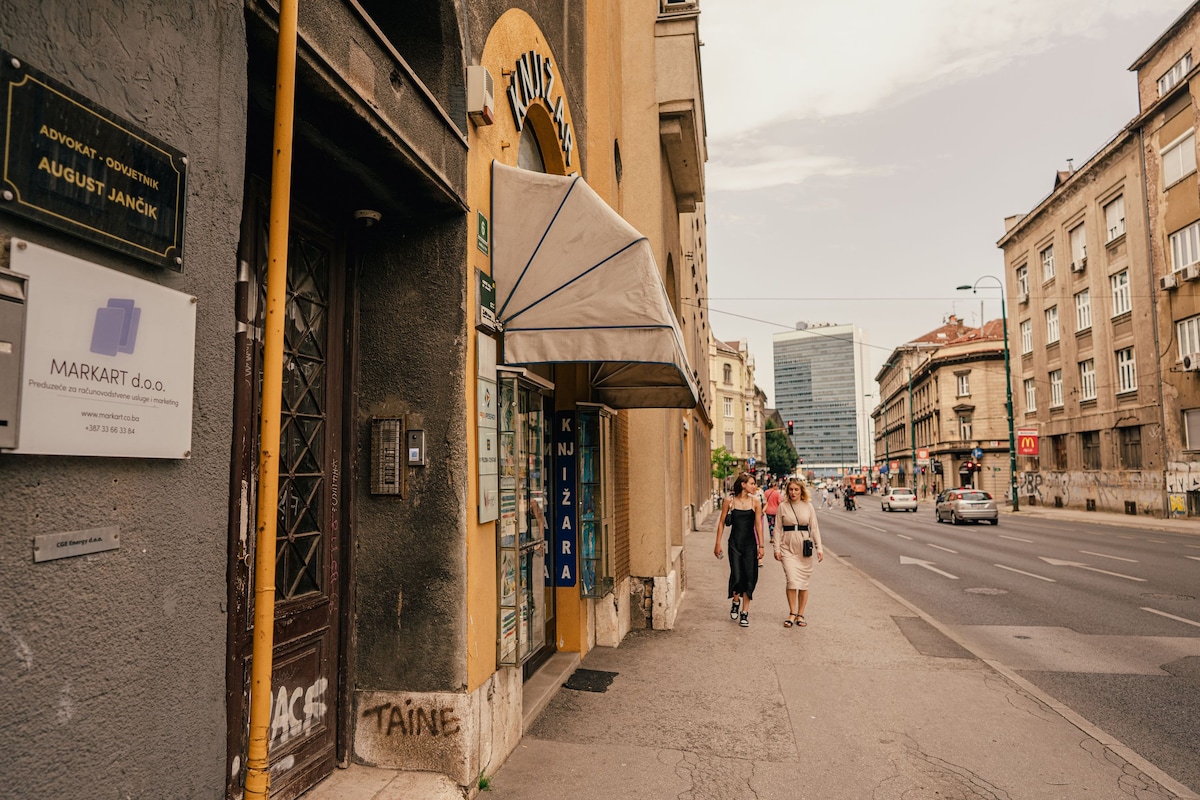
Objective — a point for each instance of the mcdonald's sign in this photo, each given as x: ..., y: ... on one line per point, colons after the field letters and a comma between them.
x: 1027, y: 441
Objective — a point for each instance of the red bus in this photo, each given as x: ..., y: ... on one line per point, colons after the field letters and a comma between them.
x: 859, y: 482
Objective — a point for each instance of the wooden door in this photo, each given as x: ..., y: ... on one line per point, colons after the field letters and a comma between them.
x: 305, y: 704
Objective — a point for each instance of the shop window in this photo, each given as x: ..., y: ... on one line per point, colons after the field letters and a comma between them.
x: 595, y: 502
x: 1058, y: 450
x: 1090, y: 445
x: 1130, y: 441
x: 1191, y: 429
x: 523, y: 526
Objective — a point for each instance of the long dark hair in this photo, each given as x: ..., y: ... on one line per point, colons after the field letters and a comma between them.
x: 739, y: 482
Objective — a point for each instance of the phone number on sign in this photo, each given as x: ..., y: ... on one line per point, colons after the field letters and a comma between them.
x: 109, y: 429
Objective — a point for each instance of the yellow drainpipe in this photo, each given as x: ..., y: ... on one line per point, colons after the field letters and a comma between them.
x: 258, y: 776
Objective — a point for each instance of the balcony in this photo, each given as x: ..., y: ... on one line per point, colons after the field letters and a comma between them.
x: 680, y: 103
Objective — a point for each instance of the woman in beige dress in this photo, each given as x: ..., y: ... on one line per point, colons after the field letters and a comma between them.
x: 796, y: 524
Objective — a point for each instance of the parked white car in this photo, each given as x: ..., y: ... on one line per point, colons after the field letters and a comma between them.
x: 900, y: 498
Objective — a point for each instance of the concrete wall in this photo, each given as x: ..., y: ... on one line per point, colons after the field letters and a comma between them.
x: 112, y: 672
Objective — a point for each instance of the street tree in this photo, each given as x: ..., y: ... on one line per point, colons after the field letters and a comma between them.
x: 723, y: 465
x: 782, y: 457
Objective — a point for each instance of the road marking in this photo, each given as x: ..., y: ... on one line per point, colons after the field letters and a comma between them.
x: 872, y: 527
x: 1126, y: 537
x: 1193, y: 546
x: 1171, y: 616
x: 939, y: 547
x: 1193, y: 558
x: 1157, y: 541
x: 1023, y: 572
x: 1102, y: 555
x: 1054, y: 562
x: 902, y: 536
x: 927, y: 565
x: 1015, y: 539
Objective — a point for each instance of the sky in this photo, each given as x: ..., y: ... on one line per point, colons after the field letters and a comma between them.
x: 863, y: 154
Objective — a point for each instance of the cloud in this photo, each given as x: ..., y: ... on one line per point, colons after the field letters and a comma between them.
x: 768, y: 62
x: 747, y: 167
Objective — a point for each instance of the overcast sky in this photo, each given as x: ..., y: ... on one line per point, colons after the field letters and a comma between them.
x: 863, y: 154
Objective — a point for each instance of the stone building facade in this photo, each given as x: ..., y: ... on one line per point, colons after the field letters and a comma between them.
x: 1165, y: 132
x: 1081, y: 299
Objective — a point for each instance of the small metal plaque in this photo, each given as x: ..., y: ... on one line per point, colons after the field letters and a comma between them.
x: 50, y: 546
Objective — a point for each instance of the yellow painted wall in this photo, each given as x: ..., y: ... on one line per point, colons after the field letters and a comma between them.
x: 514, y: 34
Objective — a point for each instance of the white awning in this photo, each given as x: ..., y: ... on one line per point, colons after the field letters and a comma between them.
x: 577, y: 283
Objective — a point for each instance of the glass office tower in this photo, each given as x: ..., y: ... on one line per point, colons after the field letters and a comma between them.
x: 820, y: 386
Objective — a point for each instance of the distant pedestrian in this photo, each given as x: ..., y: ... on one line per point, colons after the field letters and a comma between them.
x: 825, y: 498
x: 771, y: 506
x: 744, y: 515
x: 798, y: 542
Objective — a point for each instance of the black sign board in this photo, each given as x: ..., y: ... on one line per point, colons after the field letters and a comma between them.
x: 77, y: 167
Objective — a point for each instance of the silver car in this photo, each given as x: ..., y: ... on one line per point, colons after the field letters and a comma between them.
x: 963, y: 505
x: 899, y: 498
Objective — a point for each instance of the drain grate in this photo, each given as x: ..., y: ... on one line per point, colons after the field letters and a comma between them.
x: 590, y: 680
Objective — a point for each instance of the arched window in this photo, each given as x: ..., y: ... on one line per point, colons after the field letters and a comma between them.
x: 728, y: 373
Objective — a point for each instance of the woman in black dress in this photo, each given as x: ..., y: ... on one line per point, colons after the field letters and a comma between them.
x: 744, y: 514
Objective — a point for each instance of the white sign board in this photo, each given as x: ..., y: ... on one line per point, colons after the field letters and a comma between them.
x: 108, y: 361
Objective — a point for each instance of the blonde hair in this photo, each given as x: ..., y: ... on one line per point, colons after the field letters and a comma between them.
x: 803, y: 488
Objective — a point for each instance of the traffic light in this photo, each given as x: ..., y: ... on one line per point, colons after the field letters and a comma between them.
x: 789, y: 427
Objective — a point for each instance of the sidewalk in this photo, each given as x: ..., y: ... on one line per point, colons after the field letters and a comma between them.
x: 1179, y: 525
x: 872, y: 701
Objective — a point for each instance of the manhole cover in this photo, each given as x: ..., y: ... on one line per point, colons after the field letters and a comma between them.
x: 985, y: 590
x: 1159, y: 596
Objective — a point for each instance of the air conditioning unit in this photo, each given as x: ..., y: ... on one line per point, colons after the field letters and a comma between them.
x: 1168, y: 281
x: 1191, y: 362
x: 481, y: 96
x: 1077, y: 266
x: 1190, y: 272
x: 1023, y: 297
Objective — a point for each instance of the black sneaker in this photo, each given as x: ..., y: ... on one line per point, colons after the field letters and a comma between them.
x: 745, y: 620
x: 733, y: 609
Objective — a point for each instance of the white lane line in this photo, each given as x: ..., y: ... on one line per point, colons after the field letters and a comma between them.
x: 1172, y: 616
x: 1023, y: 572
x: 1054, y: 562
x: 927, y: 565
x: 1114, y: 558
x: 1016, y: 539
x: 939, y: 547
x: 902, y: 536
x: 1157, y: 541
x: 872, y: 527
x: 1193, y: 546
x: 1193, y: 558
x: 1126, y: 537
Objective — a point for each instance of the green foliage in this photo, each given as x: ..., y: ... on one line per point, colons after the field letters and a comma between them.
x: 485, y: 783
x: 781, y: 456
x: 723, y: 463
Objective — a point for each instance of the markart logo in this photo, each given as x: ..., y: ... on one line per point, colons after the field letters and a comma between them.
x: 116, y: 327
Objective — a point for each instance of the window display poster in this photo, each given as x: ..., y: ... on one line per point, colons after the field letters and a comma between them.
x: 108, y: 360
x: 508, y: 634
x: 508, y: 578
x: 565, y: 513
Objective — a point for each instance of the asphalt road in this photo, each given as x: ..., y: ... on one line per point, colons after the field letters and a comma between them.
x: 1104, y: 618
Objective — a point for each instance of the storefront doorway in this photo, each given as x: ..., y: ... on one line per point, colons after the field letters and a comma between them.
x: 312, y: 537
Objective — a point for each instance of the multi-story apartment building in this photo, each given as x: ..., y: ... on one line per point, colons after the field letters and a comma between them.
x: 738, y: 412
x: 1165, y: 134
x: 821, y: 386
x: 941, y: 420
x: 1081, y: 302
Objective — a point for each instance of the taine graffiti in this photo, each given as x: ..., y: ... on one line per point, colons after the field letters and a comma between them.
x: 413, y: 720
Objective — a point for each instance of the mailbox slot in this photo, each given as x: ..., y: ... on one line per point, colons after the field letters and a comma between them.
x: 13, y: 291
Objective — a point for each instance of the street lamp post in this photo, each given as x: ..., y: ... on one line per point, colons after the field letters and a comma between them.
x: 1012, y: 441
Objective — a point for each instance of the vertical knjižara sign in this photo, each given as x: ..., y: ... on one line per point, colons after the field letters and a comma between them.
x: 77, y: 167
x: 565, y: 507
